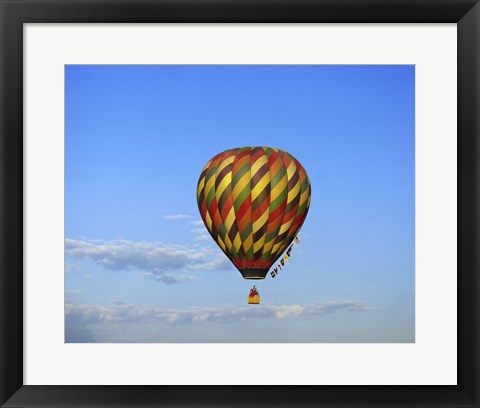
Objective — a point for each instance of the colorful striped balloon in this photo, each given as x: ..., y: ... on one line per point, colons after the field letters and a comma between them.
x: 253, y: 201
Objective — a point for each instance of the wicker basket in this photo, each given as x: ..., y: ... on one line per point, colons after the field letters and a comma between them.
x: 254, y: 300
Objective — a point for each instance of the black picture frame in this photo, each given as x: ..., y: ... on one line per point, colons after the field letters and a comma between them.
x: 14, y: 13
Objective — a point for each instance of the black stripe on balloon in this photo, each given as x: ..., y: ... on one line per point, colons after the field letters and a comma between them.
x: 220, y: 176
x: 281, y: 237
x: 293, y: 204
x: 261, y: 198
x: 293, y: 181
x: 260, y: 233
x: 259, y: 174
x: 223, y: 199
x: 258, y: 255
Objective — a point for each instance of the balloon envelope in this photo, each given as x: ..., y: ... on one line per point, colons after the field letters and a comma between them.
x: 253, y: 201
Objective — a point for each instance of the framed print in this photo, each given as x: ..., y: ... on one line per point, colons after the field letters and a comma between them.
x: 176, y: 317
x: 115, y: 290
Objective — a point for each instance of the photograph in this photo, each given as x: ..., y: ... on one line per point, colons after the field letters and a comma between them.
x: 230, y: 203
x: 239, y: 204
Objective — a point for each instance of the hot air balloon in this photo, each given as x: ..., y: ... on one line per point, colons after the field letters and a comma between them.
x: 253, y: 201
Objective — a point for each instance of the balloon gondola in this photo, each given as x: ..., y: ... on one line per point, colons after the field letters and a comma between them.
x: 253, y: 297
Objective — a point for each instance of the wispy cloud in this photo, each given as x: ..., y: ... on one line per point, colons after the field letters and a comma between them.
x: 73, y: 292
x: 219, y: 263
x: 127, y: 313
x: 165, y: 263
x: 201, y: 237
x: 168, y: 278
x: 176, y: 217
x: 72, y: 267
x: 199, y: 230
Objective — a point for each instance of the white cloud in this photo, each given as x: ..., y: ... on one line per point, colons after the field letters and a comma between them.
x: 162, y: 262
x: 176, y: 217
x: 72, y: 267
x: 218, y: 263
x: 199, y: 230
x: 168, y: 278
x: 202, y: 237
x: 73, y: 292
x: 127, y: 313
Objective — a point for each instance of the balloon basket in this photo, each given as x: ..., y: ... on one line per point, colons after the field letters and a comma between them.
x: 255, y: 300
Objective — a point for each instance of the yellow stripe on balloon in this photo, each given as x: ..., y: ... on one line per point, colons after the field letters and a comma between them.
x: 230, y: 220
x: 228, y: 223
x: 206, y: 166
x: 259, y: 163
x: 286, y: 226
x: 208, y: 221
x: 264, y: 181
x: 221, y: 243
x: 293, y: 193
x: 291, y: 170
x: 261, y: 221
x: 201, y: 185
x: 224, y: 163
x: 248, y: 242
x: 223, y: 185
x: 242, y: 183
x: 276, y: 247
x: 304, y: 197
x: 260, y: 242
x: 268, y: 246
x: 237, y: 242
x: 278, y: 189
x: 228, y: 243
x: 201, y: 182
x: 210, y: 184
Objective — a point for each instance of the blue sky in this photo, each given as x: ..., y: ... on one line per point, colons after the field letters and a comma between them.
x: 141, y: 267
